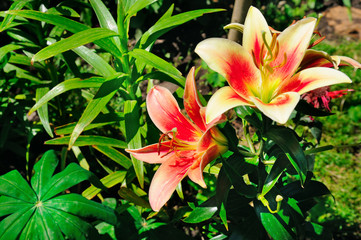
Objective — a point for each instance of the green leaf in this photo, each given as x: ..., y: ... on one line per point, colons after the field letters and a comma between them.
x: 129, y: 195
x: 68, y: 24
x: 158, y: 63
x: 44, y: 169
x: 223, y: 215
x: 108, y: 181
x: 12, y: 225
x: 12, y: 184
x: 43, y: 110
x: 8, y: 48
x: 168, y: 23
x: 309, y: 109
x: 105, y: 18
x: 88, y: 140
x: 133, y: 135
x: 9, y: 18
x: 67, y: 85
x: 311, y: 190
x: 10, y: 205
x: 274, y: 225
x: 200, y: 214
x: 41, y: 226
x: 76, y: 40
x: 276, y: 171
x: 99, y: 121
x: 102, y: 97
x: 72, y: 226
x: 70, y: 176
x: 78, y: 205
x: 115, y: 155
x: 286, y: 139
x: 235, y: 167
x: 136, y: 7
x: 98, y: 63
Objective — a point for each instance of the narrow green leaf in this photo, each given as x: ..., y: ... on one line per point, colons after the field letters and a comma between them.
x: 44, y: 169
x: 108, y: 181
x: 99, y: 121
x: 72, y: 226
x: 70, y: 176
x: 223, y: 215
x: 115, y: 155
x: 12, y: 184
x: 8, y: 48
x: 76, y: 40
x: 67, y: 85
x: 166, y: 24
x: 9, y: 18
x: 158, y: 63
x: 235, y: 167
x: 68, y: 24
x: 82, y: 207
x: 105, y: 18
x: 286, y: 139
x: 102, y: 97
x: 129, y: 195
x: 43, y: 110
x: 98, y: 63
x: 276, y: 171
x: 88, y: 140
x: 200, y: 214
x: 12, y: 225
x: 10, y: 205
x: 136, y: 7
x: 133, y: 135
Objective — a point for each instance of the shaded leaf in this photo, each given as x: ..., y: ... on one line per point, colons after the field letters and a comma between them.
x: 115, y: 155
x: 88, y: 140
x: 131, y: 196
x: 12, y: 184
x: 80, y: 206
x: 44, y: 170
x: 286, y: 139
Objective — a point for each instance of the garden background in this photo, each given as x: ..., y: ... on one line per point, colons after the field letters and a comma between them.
x: 22, y: 136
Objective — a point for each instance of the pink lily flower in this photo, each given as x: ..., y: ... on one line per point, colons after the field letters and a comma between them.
x: 264, y: 72
x: 185, y: 147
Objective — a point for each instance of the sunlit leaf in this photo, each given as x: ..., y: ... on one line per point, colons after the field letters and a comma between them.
x: 76, y: 40
x: 108, y: 181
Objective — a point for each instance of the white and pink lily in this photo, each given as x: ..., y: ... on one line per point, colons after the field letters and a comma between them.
x: 185, y: 147
x: 265, y: 71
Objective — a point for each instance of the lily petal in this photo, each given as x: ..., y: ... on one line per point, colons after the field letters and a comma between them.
x: 191, y: 101
x: 349, y: 61
x: 164, y: 111
x: 293, y: 42
x: 167, y: 177
x: 220, y: 119
x: 232, y: 61
x: 224, y: 99
x: 313, y: 78
x: 152, y: 153
x: 196, y: 171
x: 280, y: 108
x: 314, y: 58
x: 254, y: 27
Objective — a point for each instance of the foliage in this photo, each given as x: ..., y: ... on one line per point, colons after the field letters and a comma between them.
x: 75, y: 75
x: 39, y: 211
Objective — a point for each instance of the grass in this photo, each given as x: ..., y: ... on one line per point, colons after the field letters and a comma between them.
x: 340, y: 168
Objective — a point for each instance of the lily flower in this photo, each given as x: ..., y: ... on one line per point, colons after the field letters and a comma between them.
x: 264, y: 72
x: 185, y: 147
